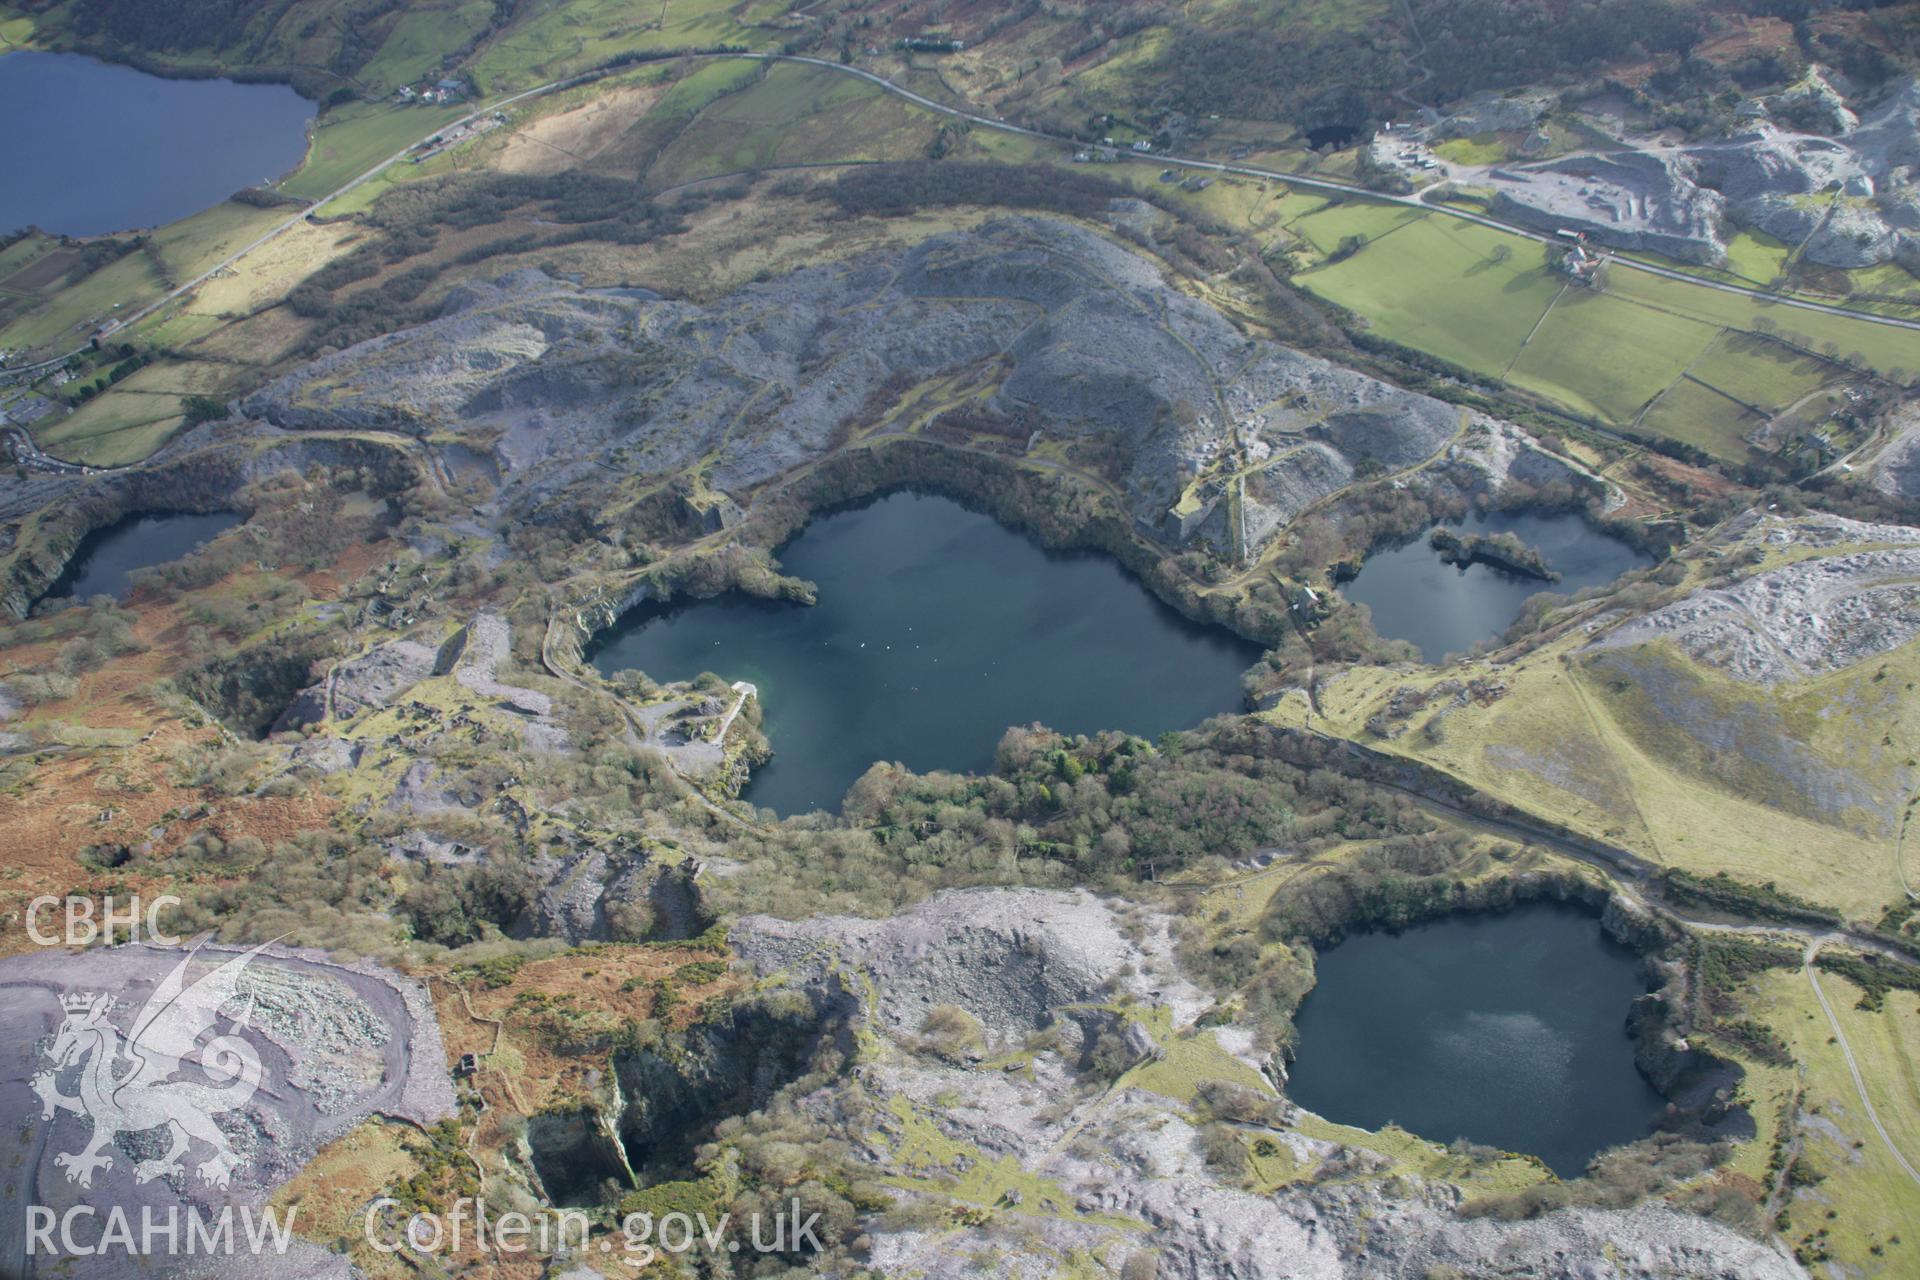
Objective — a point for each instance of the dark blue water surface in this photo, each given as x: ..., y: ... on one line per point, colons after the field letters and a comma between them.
x: 87, y: 148
x: 107, y: 557
x: 1442, y: 609
x: 936, y: 629
x: 1509, y: 1030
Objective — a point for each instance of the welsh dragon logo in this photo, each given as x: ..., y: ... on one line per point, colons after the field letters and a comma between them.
x: 127, y: 1082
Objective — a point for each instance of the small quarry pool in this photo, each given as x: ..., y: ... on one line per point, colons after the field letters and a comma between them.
x: 107, y: 557
x: 1508, y: 1030
x: 1417, y: 597
x: 935, y: 629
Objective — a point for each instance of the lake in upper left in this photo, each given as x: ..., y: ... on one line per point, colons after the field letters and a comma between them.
x: 111, y: 149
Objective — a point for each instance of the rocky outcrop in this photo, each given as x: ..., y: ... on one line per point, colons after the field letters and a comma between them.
x: 203, y: 471
x: 1797, y: 621
x: 1625, y: 200
x: 1010, y: 957
x: 369, y: 682
x: 1121, y: 1171
x: 1813, y: 104
x: 565, y: 386
x: 1837, y: 185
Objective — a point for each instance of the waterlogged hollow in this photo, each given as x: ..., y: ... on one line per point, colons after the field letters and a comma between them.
x: 89, y: 148
x: 107, y: 557
x: 935, y: 629
x: 1441, y: 609
x: 1508, y: 1030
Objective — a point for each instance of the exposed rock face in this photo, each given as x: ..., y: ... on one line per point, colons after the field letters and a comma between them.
x: 1009, y: 956
x: 1627, y: 200
x: 1495, y: 452
x: 567, y: 384
x: 365, y: 683
x: 1839, y: 186
x: 476, y: 654
x: 1494, y: 113
x: 1814, y: 104
x: 1803, y: 619
x: 1121, y: 1171
x: 1896, y: 471
x: 201, y: 471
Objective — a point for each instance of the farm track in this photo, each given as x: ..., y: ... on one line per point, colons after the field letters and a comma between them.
x: 1853, y: 1067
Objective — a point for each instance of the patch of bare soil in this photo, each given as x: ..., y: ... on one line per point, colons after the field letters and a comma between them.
x: 571, y: 138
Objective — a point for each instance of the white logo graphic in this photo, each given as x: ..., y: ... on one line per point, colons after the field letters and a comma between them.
x: 144, y: 1094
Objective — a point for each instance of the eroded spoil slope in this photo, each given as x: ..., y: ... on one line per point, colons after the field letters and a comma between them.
x: 565, y: 384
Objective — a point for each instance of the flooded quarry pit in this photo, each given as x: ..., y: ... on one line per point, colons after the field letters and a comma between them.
x: 107, y: 558
x: 1508, y: 1030
x: 1444, y: 608
x: 936, y: 629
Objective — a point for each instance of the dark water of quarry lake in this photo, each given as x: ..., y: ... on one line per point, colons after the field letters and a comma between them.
x: 89, y: 148
x: 1441, y: 609
x: 107, y: 557
x: 935, y: 629
x: 1508, y: 1030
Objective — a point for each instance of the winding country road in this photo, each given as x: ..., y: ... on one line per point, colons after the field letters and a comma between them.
x: 1328, y: 184
x: 985, y: 122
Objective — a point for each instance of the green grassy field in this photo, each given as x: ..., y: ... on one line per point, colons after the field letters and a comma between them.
x: 707, y: 83
x: 192, y: 245
x: 421, y: 41
x: 1885, y: 348
x: 1760, y: 371
x: 69, y: 315
x: 1472, y: 294
x: 1481, y: 148
x: 795, y: 115
x: 573, y: 35
x: 1756, y: 257
x: 1861, y: 1209
x: 1599, y: 355
x: 114, y: 429
x: 353, y: 139
x: 21, y: 252
x: 1695, y: 414
x: 1325, y: 229
x: 1695, y: 781
x: 1441, y: 285
x: 60, y: 318
x: 1889, y: 280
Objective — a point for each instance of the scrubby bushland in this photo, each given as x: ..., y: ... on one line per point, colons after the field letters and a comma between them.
x: 891, y: 190
x: 1721, y: 892
x: 1875, y: 975
x: 1303, y: 73
x: 577, y: 206
x: 1480, y: 44
x: 1617, y: 1179
x: 249, y: 687
x: 321, y: 888
x: 1403, y: 880
x: 1060, y: 810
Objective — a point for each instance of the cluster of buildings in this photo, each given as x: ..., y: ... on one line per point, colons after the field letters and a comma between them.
x: 453, y: 137
x: 435, y: 94
x: 1578, y: 262
x: 931, y: 44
